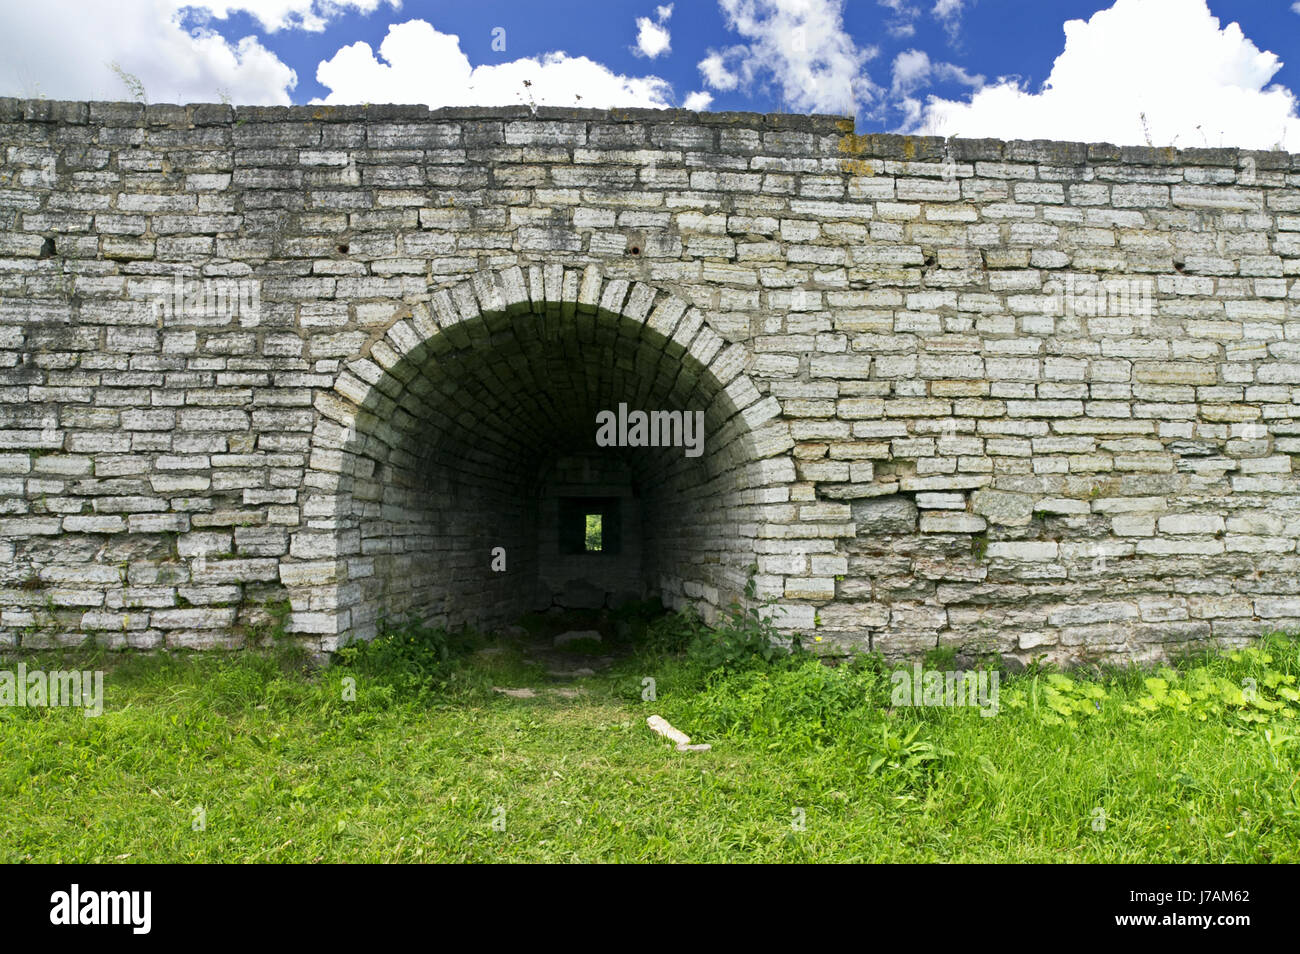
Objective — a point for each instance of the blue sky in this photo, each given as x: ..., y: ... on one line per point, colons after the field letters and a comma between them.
x: 1186, y: 72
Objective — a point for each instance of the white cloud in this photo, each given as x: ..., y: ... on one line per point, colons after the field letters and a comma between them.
x: 273, y: 15
x: 901, y: 25
x: 913, y: 70
x: 63, y: 49
x: 698, y: 101
x: 1296, y: 6
x: 1157, y: 70
x: 653, y: 38
x: 716, y: 74
x: 799, y: 45
x: 948, y: 13
x: 418, y: 64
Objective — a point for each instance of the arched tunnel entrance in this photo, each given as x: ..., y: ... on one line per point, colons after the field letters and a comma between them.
x: 486, y: 458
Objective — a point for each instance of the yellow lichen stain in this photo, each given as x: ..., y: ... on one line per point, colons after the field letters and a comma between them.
x: 857, y: 167
x: 909, y: 148
x: 323, y: 112
x: 845, y: 126
x: 854, y: 145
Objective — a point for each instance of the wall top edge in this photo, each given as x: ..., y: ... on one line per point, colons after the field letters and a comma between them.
x: 868, y: 145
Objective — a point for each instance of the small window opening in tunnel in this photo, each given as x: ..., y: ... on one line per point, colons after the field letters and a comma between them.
x: 590, y: 525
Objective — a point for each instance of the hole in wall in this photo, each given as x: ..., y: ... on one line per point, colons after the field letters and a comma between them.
x: 484, y: 439
x: 47, y: 249
x: 590, y: 525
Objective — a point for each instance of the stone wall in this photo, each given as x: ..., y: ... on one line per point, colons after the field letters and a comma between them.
x: 303, y: 368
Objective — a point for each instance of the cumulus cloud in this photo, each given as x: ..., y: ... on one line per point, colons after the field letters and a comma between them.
x: 1158, y: 71
x: 66, y: 49
x: 416, y: 63
x: 913, y: 70
x: 652, y: 36
x: 716, y: 74
x: 800, y: 47
x: 698, y: 101
x: 273, y: 15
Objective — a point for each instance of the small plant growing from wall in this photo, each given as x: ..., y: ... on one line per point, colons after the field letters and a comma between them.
x: 745, y: 636
x: 133, y: 84
x: 274, y: 627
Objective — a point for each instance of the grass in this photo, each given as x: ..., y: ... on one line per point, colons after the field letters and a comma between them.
x: 809, y: 762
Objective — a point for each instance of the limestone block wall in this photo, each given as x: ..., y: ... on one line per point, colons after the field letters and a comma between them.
x: 305, y: 367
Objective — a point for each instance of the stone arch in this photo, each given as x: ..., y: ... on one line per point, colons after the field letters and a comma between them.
x: 429, y: 447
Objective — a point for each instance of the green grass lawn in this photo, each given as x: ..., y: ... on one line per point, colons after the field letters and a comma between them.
x: 809, y: 763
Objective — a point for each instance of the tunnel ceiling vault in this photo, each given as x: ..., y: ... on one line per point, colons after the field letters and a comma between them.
x: 536, y: 386
x: 436, y: 435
